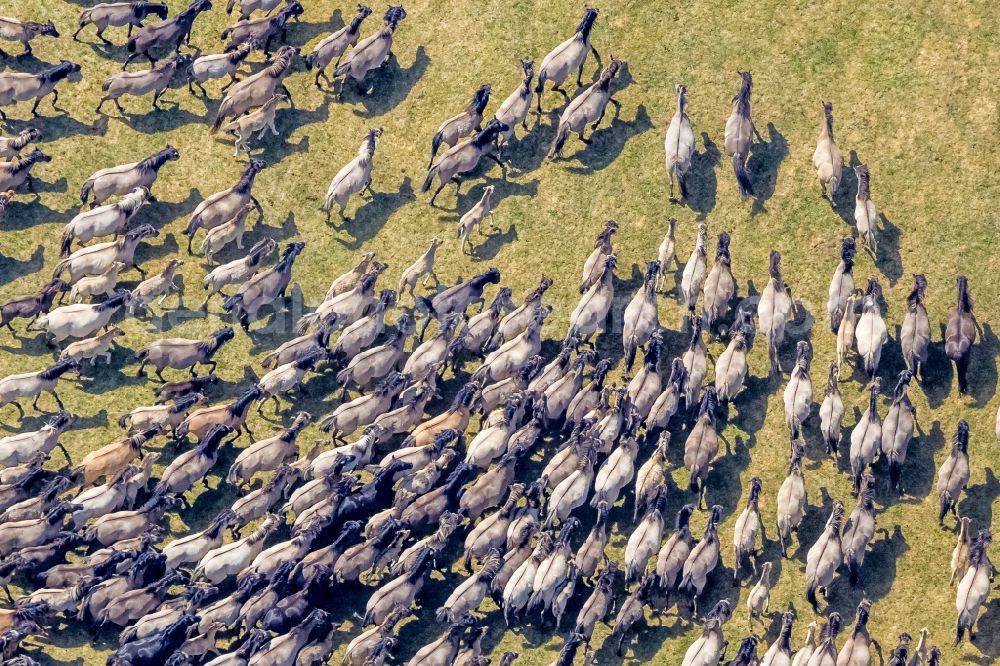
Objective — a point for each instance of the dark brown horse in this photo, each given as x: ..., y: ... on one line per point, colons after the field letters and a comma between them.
x: 26, y: 307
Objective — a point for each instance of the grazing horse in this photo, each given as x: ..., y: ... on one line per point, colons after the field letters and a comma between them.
x: 19, y: 87
x: 463, y: 157
x: 117, y: 14
x: 739, y: 133
x: 335, y: 45
x: 960, y: 334
x: 170, y: 32
x: 13, y: 30
x: 569, y: 55
x: 679, y: 144
x: 122, y: 179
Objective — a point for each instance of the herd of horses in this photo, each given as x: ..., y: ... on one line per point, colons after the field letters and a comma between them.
x: 402, y: 482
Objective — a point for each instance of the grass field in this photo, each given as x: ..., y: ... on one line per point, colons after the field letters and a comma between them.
x: 915, y: 97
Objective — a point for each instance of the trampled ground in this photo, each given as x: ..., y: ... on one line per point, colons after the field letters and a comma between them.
x: 915, y: 98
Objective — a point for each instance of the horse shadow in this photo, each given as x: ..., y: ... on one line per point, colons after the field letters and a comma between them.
x: 285, y: 230
x: 502, y: 189
x: 751, y: 404
x: 390, y: 85
x: 490, y: 248
x: 919, y: 469
x: 764, y: 165
x: 12, y: 269
x: 100, y: 378
x: 978, y: 501
x: 148, y: 251
x: 703, y: 183
x: 606, y: 144
x: 60, y: 127
x: 983, y: 367
x: 164, y: 120
x: 527, y: 152
x: 937, y: 374
x: 369, y: 219
x: 165, y: 212
x: 301, y: 33
x: 889, y: 261
x: 729, y: 466
x: 878, y: 574
x: 842, y: 201
x: 277, y: 148
x: 28, y: 63
x: 44, y: 187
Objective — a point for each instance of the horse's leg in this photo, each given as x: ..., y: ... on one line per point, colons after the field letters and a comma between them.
x: 55, y: 97
x: 560, y: 90
x: 56, y: 396
x: 118, y: 105
x: 598, y: 121
x: 34, y: 107
x: 156, y: 97
x: 579, y: 76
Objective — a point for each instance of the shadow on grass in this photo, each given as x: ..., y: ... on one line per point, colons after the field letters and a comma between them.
x: 607, y: 143
x: 702, y: 182
x: 15, y: 269
x: 369, y: 219
x: 387, y: 86
x: 764, y: 165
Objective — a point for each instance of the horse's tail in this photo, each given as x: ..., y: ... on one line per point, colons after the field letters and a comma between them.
x: 232, y: 302
x: 945, y: 505
x: 88, y: 186
x: 435, y: 146
x: 305, y: 321
x: 122, y: 421
x: 557, y: 144
x: 895, y: 472
x: 230, y: 5
x: 222, y: 114
x: 742, y: 176
x: 310, y: 61
x: 269, y: 360
x: 431, y: 173
x: 811, y: 595
x: 695, y: 473
x: 964, y: 622
x: 853, y: 567
x: 630, y: 349
x: 60, y: 267
x: 681, y: 182
x: 85, y: 17
x: 67, y: 241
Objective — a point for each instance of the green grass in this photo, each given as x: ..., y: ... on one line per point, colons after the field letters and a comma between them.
x: 914, y: 96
